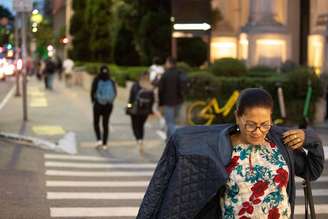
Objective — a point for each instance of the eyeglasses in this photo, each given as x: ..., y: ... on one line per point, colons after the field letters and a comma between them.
x: 252, y: 127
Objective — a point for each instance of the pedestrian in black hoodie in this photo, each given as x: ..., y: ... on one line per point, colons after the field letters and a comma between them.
x: 103, y: 93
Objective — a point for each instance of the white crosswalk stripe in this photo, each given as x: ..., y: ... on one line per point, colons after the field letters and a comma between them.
x: 94, y: 212
x: 65, y: 174
x: 96, y: 183
x: 100, y: 165
x: 88, y: 179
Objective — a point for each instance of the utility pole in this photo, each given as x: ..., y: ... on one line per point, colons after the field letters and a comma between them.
x: 24, y: 56
x: 17, y: 25
x: 23, y: 7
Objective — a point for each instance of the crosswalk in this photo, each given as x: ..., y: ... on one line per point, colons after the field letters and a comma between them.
x: 90, y: 186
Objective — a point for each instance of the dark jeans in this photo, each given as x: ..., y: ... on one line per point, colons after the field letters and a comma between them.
x: 103, y: 111
x: 138, y: 123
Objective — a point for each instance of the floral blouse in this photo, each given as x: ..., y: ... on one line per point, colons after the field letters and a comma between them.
x: 257, y: 184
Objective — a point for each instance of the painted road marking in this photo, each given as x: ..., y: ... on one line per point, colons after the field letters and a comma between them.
x: 96, y: 195
x: 315, y: 192
x: 33, y: 89
x: 76, y: 157
x: 97, y: 184
x: 39, y: 102
x: 321, y: 179
x: 121, y: 143
x: 319, y: 209
x: 98, y: 173
x: 7, y: 97
x: 133, y: 211
x: 37, y: 93
x: 48, y: 130
x: 94, y: 212
x: 99, y: 165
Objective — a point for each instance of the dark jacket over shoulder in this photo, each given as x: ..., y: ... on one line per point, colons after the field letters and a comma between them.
x: 169, y: 88
x: 191, y: 172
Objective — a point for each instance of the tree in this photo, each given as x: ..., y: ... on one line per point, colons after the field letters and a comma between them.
x: 6, y: 31
x: 103, y: 30
x: 124, y: 50
x: 4, y: 12
x: 193, y: 51
x: 154, y: 36
x: 79, y: 30
x: 149, y: 21
x: 100, y: 22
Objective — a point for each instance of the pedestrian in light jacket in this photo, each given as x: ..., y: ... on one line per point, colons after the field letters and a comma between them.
x: 237, y: 170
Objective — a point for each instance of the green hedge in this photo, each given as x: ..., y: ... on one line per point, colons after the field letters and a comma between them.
x: 294, y: 84
x: 228, y: 67
x: 119, y: 73
x: 294, y: 87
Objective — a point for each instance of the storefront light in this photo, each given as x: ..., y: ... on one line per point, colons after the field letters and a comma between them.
x: 316, y: 52
x: 223, y: 47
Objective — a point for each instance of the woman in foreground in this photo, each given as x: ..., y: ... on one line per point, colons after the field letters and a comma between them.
x: 242, y: 170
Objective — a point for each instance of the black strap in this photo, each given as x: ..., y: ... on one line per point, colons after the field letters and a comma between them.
x: 308, y: 198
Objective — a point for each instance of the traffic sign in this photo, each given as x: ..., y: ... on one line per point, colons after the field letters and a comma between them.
x: 23, y: 5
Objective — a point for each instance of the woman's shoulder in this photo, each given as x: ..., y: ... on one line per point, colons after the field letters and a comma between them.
x: 198, y: 130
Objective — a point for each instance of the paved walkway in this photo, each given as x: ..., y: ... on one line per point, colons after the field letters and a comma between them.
x: 51, y: 114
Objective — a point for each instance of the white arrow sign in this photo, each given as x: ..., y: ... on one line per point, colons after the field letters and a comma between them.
x: 195, y: 26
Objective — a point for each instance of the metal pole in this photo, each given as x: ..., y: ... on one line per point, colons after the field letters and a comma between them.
x: 17, y: 54
x: 24, y: 66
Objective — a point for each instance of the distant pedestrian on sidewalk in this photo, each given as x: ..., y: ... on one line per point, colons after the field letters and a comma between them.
x: 140, y: 105
x: 103, y: 93
x: 68, y: 65
x: 49, y: 73
x: 156, y: 70
x: 170, y: 93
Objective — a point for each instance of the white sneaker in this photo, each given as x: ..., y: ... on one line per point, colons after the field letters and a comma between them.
x: 104, y: 147
x: 98, y: 143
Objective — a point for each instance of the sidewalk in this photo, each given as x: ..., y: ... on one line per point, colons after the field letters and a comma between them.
x: 51, y: 114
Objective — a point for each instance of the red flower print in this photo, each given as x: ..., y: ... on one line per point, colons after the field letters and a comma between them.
x: 259, y: 188
x: 272, y: 145
x: 247, y: 207
x: 281, y: 178
x: 273, y: 213
x: 256, y: 201
x: 244, y: 217
x: 233, y: 163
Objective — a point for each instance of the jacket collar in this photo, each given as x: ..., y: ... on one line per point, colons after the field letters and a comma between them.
x: 224, y: 144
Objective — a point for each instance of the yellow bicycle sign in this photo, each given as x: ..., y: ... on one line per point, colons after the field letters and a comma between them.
x: 204, y: 113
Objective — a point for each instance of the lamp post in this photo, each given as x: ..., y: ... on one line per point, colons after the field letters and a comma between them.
x: 22, y: 7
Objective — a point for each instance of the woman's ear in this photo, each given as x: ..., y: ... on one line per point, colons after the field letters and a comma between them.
x: 236, y: 117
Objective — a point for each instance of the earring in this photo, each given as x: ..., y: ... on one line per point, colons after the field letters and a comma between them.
x: 237, y: 128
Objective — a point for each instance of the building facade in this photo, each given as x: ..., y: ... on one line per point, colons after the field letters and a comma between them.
x: 270, y: 32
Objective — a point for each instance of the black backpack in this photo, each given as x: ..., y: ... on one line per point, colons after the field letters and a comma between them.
x: 144, y: 101
x: 50, y: 67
